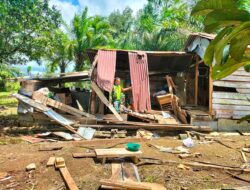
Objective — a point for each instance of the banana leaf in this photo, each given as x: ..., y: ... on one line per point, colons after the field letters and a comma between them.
x: 225, y: 17
x: 220, y: 46
x: 205, y: 7
x: 221, y: 71
x: 209, y: 55
x: 238, y: 45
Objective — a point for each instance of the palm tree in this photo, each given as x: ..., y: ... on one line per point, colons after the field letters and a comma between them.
x: 61, y: 53
x: 88, y: 32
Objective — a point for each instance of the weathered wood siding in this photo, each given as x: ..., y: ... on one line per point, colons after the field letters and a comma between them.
x: 233, y: 105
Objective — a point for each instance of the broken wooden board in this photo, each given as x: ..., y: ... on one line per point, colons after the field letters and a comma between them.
x: 71, y: 185
x: 125, y: 185
x: 84, y: 155
x: 49, y: 112
x: 150, y: 126
x: 58, y: 105
x: 51, y: 161
x: 59, y: 162
x: 116, y: 152
x: 105, y: 101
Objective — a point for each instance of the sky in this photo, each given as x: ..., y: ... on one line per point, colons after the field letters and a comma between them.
x: 69, y: 8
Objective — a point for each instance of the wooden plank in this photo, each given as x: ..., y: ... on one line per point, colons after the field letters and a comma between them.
x: 105, y: 101
x: 231, y: 102
x: 231, y: 95
x: 230, y: 107
x: 226, y: 125
x: 230, y: 114
x: 31, y: 102
x: 71, y: 185
x: 58, y: 105
x: 116, y: 172
x: 93, y: 66
x: 115, y: 152
x: 84, y: 155
x: 210, y: 104
x: 48, y: 111
x: 125, y: 185
x: 232, y: 84
x: 237, y: 78
x: 243, y: 90
x: 152, y: 126
x: 196, y: 81
x: 240, y: 73
x: 51, y: 161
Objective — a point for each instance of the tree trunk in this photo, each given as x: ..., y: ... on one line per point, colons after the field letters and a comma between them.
x: 79, y: 62
x: 62, y: 67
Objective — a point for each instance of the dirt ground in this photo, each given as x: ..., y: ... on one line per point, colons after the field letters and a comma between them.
x: 16, y: 155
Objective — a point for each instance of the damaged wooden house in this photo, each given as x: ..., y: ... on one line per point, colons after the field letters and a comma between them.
x: 168, y: 91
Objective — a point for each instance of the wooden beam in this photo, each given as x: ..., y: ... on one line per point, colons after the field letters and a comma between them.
x: 231, y: 95
x: 231, y: 102
x: 243, y: 90
x: 232, y: 84
x: 210, y: 99
x: 71, y: 185
x: 58, y: 105
x: 47, y: 111
x: 125, y: 185
x: 105, y: 101
x: 231, y: 114
x: 93, y: 65
x: 231, y: 107
x: 196, y: 81
x: 153, y: 126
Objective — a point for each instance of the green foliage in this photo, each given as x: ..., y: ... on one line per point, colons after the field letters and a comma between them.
x: 160, y: 25
x: 61, y: 53
x: 88, y: 32
x: 7, y: 72
x: 23, y: 28
x: 227, y: 52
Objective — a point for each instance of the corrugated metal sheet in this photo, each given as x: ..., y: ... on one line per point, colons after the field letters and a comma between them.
x: 164, y: 61
x: 58, y: 118
x: 140, y: 82
x: 106, y: 69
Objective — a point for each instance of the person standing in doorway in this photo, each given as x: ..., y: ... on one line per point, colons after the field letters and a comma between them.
x: 117, y: 93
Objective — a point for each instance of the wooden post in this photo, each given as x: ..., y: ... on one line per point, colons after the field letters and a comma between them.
x: 105, y: 101
x: 93, y: 102
x: 210, y: 90
x: 93, y: 66
x: 196, y: 81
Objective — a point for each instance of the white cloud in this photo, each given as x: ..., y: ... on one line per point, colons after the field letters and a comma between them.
x: 67, y: 9
x: 105, y: 7
x: 95, y: 7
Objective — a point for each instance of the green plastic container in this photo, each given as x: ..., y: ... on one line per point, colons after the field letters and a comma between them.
x: 133, y: 146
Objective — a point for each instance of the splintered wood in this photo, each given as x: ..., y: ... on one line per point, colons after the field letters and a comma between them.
x: 58, y: 105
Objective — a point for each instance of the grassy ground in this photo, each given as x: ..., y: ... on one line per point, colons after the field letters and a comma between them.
x: 9, y: 103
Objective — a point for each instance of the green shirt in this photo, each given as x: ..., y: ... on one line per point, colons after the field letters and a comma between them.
x: 117, y: 92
